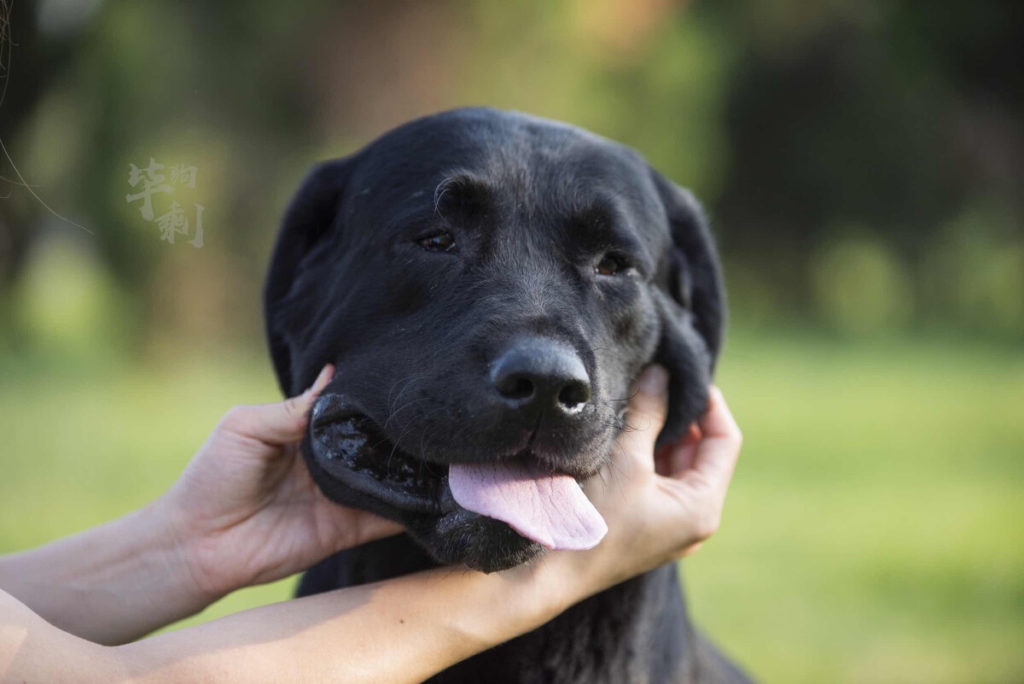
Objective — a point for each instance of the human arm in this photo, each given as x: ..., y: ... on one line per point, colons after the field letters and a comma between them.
x: 401, y: 630
x: 406, y: 629
x: 244, y: 511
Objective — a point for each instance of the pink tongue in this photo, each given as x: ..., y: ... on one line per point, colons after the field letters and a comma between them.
x: 548, y: 508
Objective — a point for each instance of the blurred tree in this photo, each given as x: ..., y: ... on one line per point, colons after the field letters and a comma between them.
x: 24, y: 56
x: 789, y: 119
x: 892, y: 115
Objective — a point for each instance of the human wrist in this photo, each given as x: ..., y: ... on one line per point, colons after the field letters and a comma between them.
x: 178, y: 545
x: 109, y: 584
x: 511, y: 602
x: 556, y: 581
x: 572, y: 576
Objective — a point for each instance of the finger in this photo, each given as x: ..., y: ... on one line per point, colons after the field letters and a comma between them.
x: 718, y: 419
x: 717, y: 453
x: 676, y: 458
x: 284, y: 422
x: 646, y: 414
x: 691, y: 549
x: 671, y: 459
x: 662, y: 459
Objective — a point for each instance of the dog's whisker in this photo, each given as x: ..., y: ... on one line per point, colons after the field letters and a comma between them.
x: 392, y: 411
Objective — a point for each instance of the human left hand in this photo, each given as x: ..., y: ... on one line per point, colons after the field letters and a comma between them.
x: 246, y: 510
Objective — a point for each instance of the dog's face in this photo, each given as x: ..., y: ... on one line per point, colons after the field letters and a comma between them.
x: 488, y: 285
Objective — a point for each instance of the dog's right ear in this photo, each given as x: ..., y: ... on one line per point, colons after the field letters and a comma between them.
x: 310, y: 222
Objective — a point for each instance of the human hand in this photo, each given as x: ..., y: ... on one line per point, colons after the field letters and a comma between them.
x: 659, y: 506
x: 246, y: 510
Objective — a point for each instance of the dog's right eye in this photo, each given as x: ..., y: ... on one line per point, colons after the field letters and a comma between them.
x: 442, y: 241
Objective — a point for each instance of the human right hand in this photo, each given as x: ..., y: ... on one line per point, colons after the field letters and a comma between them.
x: 659, y: 506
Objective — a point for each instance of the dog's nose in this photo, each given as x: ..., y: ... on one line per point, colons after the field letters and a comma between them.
x: 540, y: 374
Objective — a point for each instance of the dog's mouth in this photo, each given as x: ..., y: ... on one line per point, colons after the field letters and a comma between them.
x: 544, y: 506
x: 352, y: 449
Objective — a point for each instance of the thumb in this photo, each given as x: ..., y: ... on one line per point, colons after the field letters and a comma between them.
x: 282, y: 422
x: 646, y: 416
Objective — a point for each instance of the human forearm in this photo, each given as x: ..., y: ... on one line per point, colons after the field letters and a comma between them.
x: 109, y: 584
x: 245, y: 511
x: 403, y: 630
x: 32, y: 650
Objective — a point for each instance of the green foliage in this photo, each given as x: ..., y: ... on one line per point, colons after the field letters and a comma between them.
x: 66, y: 305
x: 974, y: 271
x: 860, y: 287
x: 791, y: 121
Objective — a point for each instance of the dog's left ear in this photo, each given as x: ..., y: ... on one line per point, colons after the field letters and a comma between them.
x: 691, y: 303
x: 309, y: 223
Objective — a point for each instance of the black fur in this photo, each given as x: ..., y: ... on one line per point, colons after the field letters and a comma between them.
x: 532, y: 206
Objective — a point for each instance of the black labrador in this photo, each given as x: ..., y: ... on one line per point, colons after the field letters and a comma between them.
x: 489, y: 284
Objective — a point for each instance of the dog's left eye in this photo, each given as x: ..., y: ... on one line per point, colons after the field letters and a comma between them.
x: 611, y: 264
x: 438, y: 242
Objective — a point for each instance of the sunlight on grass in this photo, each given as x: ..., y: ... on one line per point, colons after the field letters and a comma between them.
x: 872, y: 533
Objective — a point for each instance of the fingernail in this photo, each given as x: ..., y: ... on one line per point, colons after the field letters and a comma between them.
x: 654, y: 380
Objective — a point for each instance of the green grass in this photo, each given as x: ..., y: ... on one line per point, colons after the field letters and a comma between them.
x: 873, y: 532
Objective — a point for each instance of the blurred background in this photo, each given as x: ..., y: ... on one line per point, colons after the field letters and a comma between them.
x: 862, y: 163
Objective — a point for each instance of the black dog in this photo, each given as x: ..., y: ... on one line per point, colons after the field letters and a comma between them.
x: 489, y: 284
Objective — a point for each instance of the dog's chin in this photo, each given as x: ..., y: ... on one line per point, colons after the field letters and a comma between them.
x: 474, y: 540
x: 355, y: 465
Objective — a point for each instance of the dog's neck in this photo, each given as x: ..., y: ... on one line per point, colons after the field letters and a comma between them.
x: 637, y: 631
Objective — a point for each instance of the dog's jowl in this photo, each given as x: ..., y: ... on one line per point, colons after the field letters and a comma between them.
x: 489, y: 285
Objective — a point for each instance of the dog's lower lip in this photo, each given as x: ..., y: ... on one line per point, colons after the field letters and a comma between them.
x: 352, y: 448
x: 349, y: 448
x: 398, y: 465
x: 385, y: 460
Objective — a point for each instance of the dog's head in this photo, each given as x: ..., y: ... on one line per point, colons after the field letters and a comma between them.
x: 488, y: 285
